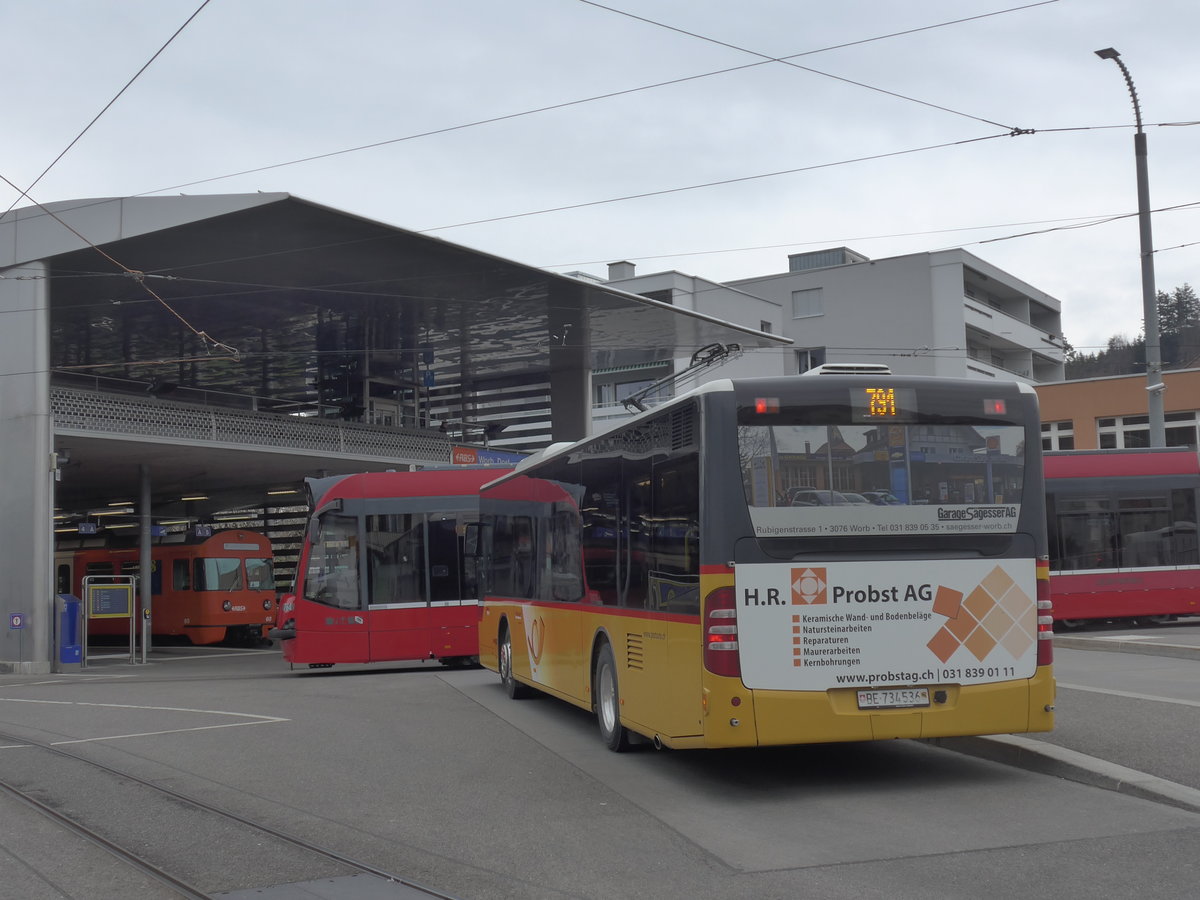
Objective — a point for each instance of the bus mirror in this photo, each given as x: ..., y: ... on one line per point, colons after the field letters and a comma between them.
x: 314, y: 528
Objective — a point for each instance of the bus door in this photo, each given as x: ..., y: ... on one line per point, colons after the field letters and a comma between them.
x: 535, y: 560
x: 398, y: 613
x: 330, y: 618
x: 454, y: 604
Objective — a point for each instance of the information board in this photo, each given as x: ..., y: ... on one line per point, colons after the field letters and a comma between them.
x: 109, y: 601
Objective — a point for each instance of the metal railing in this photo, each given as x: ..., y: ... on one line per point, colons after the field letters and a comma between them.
x: 94, y: 412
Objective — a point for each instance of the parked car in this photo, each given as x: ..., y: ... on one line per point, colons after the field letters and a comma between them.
x: 809, y: 497
x: 883, y: 498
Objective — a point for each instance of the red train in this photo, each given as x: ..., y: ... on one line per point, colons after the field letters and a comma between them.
x: 207, y: 589
x: 1122, y: 529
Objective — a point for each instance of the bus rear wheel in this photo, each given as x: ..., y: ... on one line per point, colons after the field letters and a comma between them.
x: 608, y: 706
x: 515, y: 689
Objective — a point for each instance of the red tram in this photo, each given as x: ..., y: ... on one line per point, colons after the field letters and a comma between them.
x: 383, y: 575
x: 1122, y: 528
x: 206, y: 589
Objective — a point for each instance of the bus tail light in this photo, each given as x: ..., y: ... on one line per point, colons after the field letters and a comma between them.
x: 721, y: 633
x: 1045, y: 615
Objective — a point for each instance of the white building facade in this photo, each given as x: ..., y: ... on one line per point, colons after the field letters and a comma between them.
x: 612, y: 385
x: 945, y: 313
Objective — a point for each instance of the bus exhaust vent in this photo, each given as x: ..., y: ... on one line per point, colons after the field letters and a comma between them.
x: 850, y: 369
x: 683, y: 426
x: 635, y: 657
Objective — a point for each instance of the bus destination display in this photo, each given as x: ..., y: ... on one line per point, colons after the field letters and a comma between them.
x: 883, y: 403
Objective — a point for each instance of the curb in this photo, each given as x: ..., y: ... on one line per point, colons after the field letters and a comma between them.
x: 1050, y: 759
x: 1145, y: 648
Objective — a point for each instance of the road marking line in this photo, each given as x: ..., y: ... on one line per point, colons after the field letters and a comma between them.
x: 1127, y: 637
x: 258, y: 719
x: 1130, y: 694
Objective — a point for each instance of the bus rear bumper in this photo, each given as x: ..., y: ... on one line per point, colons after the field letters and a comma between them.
x: 780, y: 718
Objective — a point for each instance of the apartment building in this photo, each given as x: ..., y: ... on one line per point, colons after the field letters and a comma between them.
x: 946, y: 313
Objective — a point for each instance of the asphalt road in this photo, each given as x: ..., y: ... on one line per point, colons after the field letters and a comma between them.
x: 438, y: 775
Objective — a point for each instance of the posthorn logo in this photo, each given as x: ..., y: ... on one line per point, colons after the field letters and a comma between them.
x: 808, y: 587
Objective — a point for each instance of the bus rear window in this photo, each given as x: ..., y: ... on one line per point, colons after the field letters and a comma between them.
x: 894, y: 479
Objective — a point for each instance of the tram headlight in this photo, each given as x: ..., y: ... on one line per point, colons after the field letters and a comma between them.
x: 227, y: 605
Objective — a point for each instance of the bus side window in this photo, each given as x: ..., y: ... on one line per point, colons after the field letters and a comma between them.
x: 566, y: 569
x: 1183, y: 528
x: 638, y: 524
x: 600, y: 508
x: 396, y: 558
x: 475, y: 559
x: 524, y: 560
x: 499, y: 570
x: 674, y: 544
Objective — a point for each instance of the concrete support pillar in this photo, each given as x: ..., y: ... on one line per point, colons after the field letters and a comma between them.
x: 26, y: 447
x: 145, y: 561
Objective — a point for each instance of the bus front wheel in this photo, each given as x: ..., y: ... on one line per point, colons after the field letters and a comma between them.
x: 608, y: 708
x: 515, y: 689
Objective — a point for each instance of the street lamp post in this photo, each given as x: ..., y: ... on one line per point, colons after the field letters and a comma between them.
x: 1154, y: 382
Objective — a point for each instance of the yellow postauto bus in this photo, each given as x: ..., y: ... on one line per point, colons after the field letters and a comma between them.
x: 771, y: 561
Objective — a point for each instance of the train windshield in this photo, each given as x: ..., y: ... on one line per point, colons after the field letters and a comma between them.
x: 218, y: 574
x: 260, y: 575
x: 912, y: 478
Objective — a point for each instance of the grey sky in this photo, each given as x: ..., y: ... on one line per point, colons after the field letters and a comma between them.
x: 255, y: 83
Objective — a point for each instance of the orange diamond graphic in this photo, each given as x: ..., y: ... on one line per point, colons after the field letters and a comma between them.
x: 962, y: 627
x: 946, y: 602
x: 979, y: 602
x: 980, y: 643
x: 1017, y: 641
x: 943, y: 644
x: 998, y: 582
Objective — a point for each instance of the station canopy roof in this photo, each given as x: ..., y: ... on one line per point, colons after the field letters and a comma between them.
x: 276, y: 298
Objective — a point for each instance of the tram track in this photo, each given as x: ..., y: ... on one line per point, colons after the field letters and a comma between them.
x: 108, y: 813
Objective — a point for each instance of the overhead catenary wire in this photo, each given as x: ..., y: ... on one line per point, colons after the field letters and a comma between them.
x: 591, y: 99
x: 107, y: 106
x: 139, y: 277
x: 787, y: 60
x: 708, y: 184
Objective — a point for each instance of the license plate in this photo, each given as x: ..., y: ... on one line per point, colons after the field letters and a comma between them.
x: 893, y: 698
